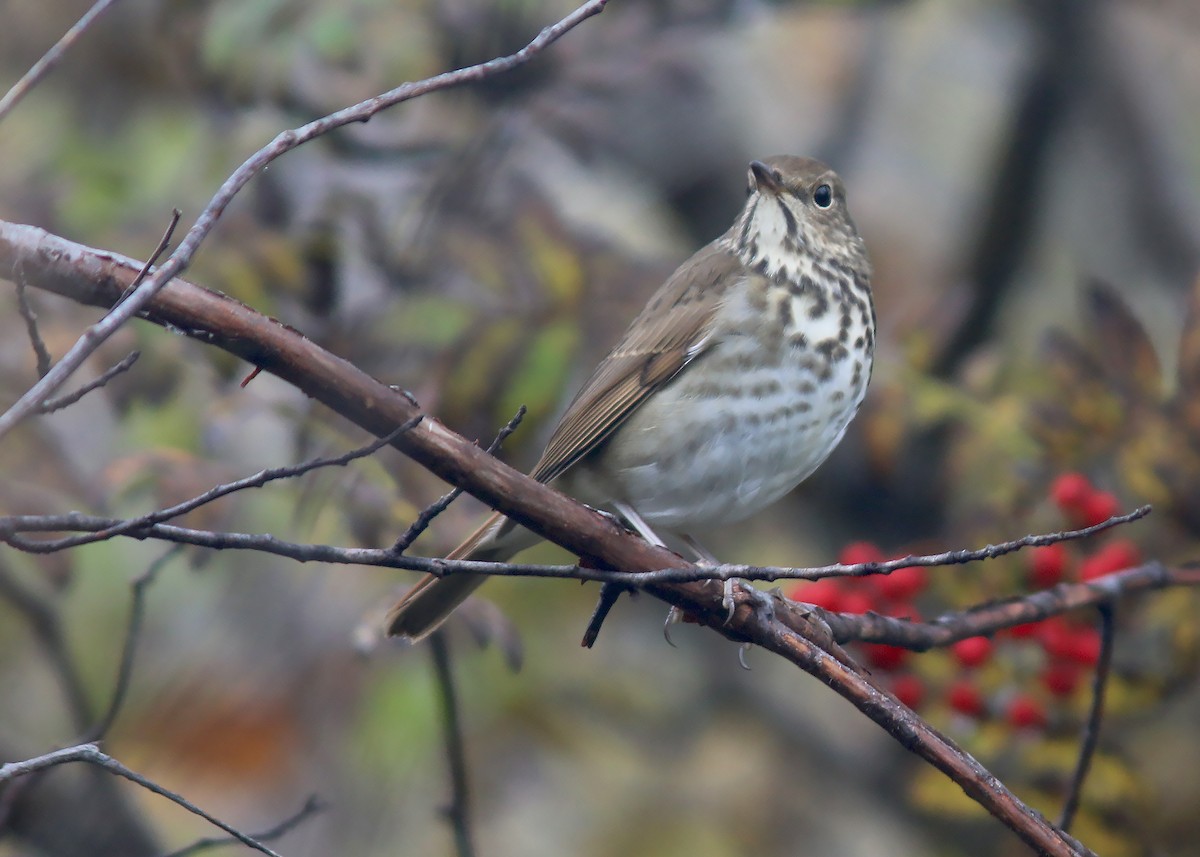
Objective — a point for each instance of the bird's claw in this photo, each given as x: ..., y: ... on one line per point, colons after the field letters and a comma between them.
x: 674, y: 617
x: 763, y: 604
x: 727, y: 600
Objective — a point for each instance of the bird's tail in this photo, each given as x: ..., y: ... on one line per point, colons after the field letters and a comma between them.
x: 423, y: 609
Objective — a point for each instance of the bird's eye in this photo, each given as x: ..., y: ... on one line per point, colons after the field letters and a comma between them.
x: 823, y: 196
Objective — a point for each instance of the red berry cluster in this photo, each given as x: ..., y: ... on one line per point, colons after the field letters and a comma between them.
x: 887, y: 594
x: 1069, y: 647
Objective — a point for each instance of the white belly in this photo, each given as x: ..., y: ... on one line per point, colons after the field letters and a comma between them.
x: 708, y: 449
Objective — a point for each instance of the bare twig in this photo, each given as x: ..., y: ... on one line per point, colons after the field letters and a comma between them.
x: 31, y: 326
x: 1091, y: 730
x: 152, y: 260
x: 284, y: 142
x: 865, y: 569
x: 844, y: 627
x: 609, y: 594
x: 43, y: 617
x: 92, y: 755
x: 149, y: 526
x: 133, y: 525
x: 51, y: 58
x: 57, y: 404
x: 137, y: 609
x: 442, y: 503
x: 458, y: 813
x: 312, y: 806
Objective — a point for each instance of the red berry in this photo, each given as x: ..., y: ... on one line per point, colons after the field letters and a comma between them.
x: 857, y: 601
x: 824, y: 593
x: 1126, y: 551
x: 1061, y: 678
x: 1066, y: 642
x: 1084, y: 647
x: 1117, y: 555
x: 1047, y: 565
x: 885, y: 657
x: 1098, y: 508
x: 1025, y: 712
x: 901, y: 584
x: 909, y: 689
x: 856, y: 553
x: 1070, y: 491
x: 965, y: 698
x: 903, y: 610
x: 1057, y: 637
x: 1025, y: 630
x: 972, y: 651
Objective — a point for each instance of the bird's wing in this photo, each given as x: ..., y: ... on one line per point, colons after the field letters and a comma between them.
x: 675, y: 328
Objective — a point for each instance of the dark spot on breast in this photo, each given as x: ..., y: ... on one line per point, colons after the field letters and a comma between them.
x: 820, y: 306
x: 802, y: 286
x: 785, y: 314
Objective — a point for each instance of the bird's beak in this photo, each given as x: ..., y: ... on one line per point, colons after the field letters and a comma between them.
x: 765, y: 178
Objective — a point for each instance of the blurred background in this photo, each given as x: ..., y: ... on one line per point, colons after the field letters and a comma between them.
x: 1026, y: 176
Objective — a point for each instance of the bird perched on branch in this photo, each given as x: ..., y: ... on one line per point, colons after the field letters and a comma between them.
x: 734, y: 383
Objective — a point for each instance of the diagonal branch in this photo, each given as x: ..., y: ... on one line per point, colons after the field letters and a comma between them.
x: 141, y: 296
x: 93, y: 277
x: 52, y: 57
x: 91, y: 754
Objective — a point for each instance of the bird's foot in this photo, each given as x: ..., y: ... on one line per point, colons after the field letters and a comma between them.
x: 674, y: 617
x: 727, y: 599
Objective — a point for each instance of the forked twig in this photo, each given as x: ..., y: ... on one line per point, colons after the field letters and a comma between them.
x: 92, y: 755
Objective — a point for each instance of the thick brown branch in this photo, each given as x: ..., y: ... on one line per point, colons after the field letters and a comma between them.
x: 99, y: 278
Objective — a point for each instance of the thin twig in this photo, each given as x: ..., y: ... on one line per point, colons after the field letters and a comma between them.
x: 64, y: 401
x: 43, y: 617
x: 865, y: 569
x: 137, y: 610
x: 284, y: 142
x: 92, y: 755
x: 458, y: 813
x: 312, y: 806
x: 845, y: 627
x: 51, y: 58
x: 142, y: 528
x: 609, y: 595
x: 133, y: 525
x: 152, y: 260
x: 440, y: 505
x: 1091, y: 730
x: 31, y: 326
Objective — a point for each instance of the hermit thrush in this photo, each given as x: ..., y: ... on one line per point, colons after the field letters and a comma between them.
x: 733, y: 384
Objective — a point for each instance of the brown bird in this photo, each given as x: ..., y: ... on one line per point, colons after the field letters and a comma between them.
x: 733, y: 384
